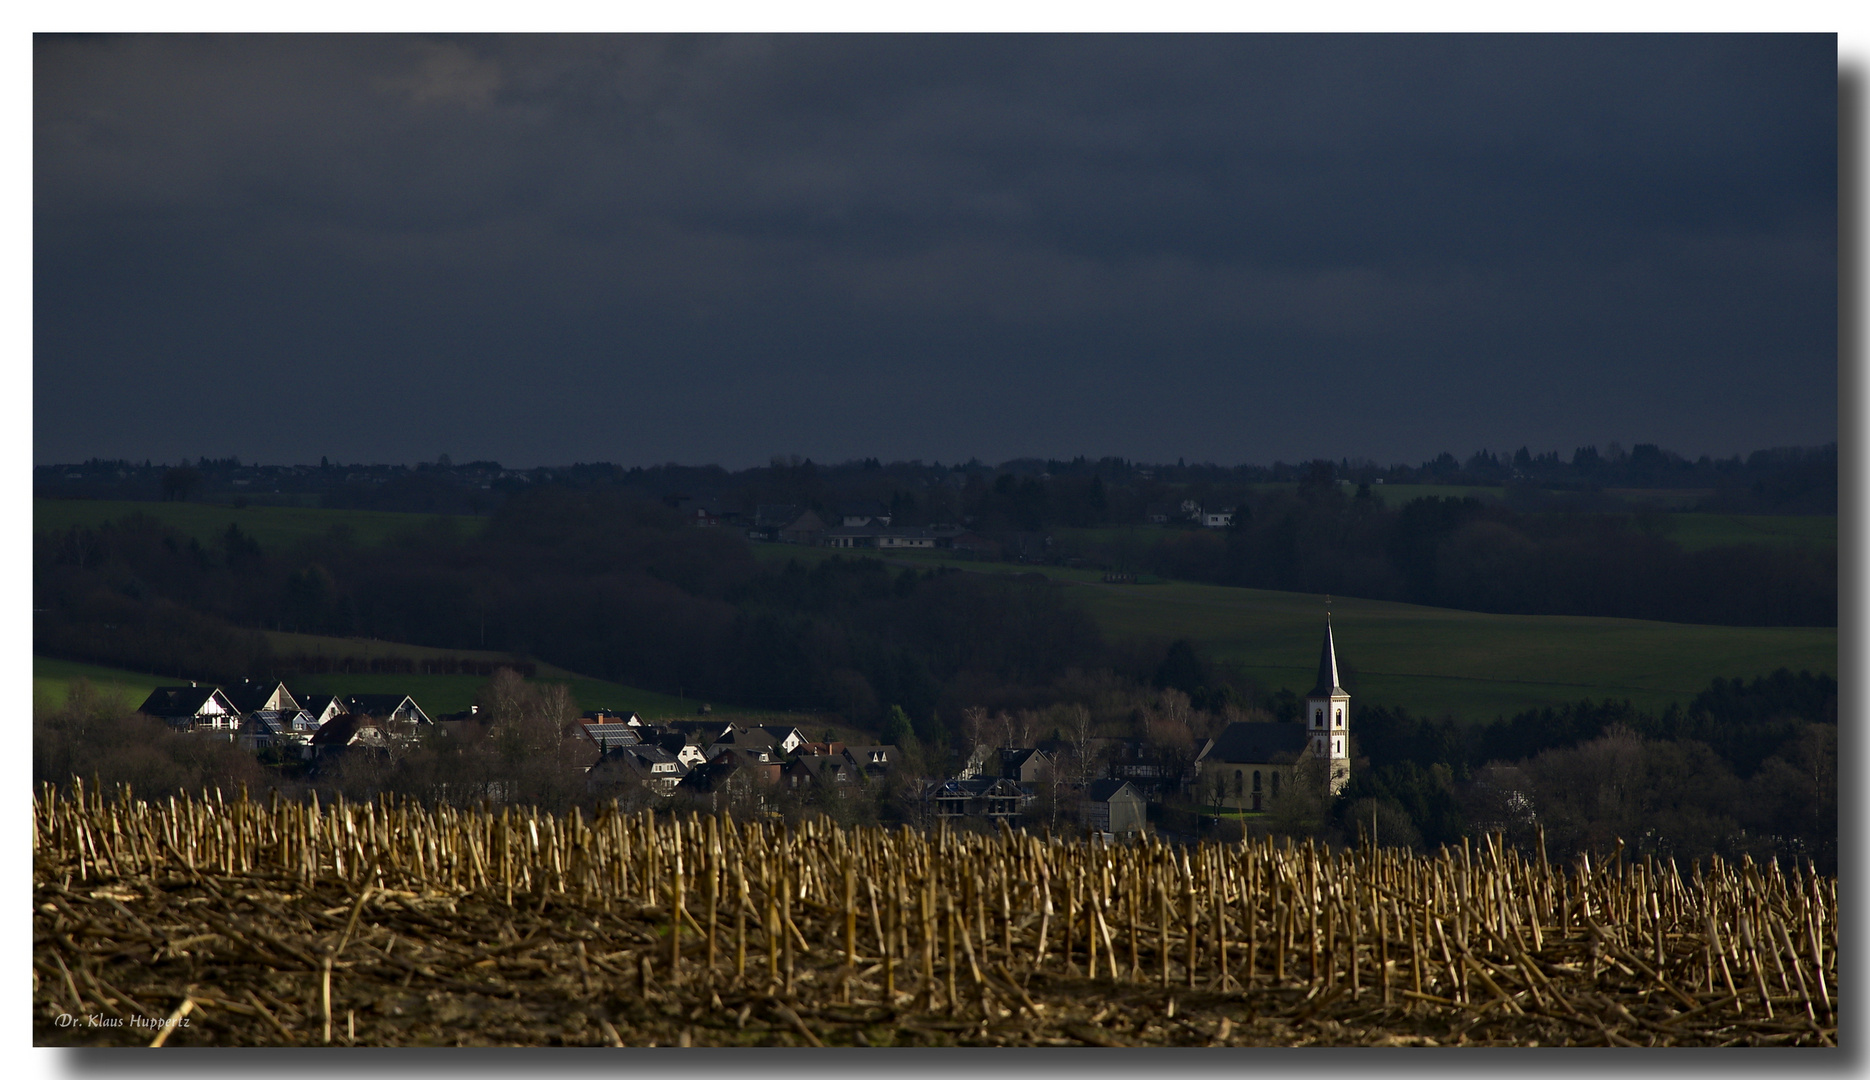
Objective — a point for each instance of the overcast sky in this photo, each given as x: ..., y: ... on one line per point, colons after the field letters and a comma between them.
x: 543, y: 250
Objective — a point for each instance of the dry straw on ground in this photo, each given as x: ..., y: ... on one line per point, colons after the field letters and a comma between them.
x: 394, y: 924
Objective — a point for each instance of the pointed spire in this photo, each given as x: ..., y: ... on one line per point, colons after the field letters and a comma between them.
x: 1327, y: 667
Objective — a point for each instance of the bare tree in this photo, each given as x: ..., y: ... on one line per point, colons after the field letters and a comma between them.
x: 1020, y: 727
x: 975, y: 728
x: 1172, y: 705
x: 1078, y: 729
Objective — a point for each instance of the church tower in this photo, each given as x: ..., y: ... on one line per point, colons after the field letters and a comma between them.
x: 1327, y: 711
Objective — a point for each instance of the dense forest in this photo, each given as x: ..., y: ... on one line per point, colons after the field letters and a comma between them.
x: 1464, y: 553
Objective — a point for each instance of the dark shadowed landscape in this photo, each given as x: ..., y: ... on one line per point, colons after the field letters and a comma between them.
x: 924, y: 540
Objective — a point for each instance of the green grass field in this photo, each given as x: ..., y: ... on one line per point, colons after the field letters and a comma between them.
x: 1437, y: 661
x: 1395, y: 495
x: 276, y: 528
x: 52, y: 679
x: 1466, y: 664
x: 1695, y: 532
x: 1661, y: 498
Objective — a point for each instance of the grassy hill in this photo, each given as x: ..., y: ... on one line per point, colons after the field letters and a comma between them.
x: 52, y: 679
x: 274, y: 527
x: 1467, y: 664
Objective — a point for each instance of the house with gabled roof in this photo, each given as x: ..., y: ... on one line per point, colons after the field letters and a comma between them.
x: 192, y: 708
x: 608, y: 735
x: 260, y: 695
x: 1025, y: 765
x: 322, y: 707
x: 724, y: 777
x: 398, y: 712
x: 787, y: 737
x: 277, y: 729
x: 875, y: 759
x: 833, y: 774
x: 762, y: 765
x: 805, y: 529
x: 615, y: 772
x: 258, y: 732
x: 991, y: 798
x: 349, y: 731
x: 748, y: 738
x: 657, y: 769
x: 685, y: 746
x: 1113, y: 807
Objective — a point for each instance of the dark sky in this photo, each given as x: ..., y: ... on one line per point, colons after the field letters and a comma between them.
x: 633, y: 249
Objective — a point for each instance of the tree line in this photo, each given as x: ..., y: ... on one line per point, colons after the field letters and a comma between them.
x: 1060, y: 492
x: 1481, y: 556
x: 1744, y: 767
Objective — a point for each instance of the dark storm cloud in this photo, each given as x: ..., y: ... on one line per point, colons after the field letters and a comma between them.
x: 639, y: 249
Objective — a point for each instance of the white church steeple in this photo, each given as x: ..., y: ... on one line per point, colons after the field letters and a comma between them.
x: 1327, y: 712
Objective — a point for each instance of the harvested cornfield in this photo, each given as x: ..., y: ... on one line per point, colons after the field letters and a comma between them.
x: 234, y: 923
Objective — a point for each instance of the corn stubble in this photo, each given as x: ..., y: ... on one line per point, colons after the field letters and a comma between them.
x: 392, y: 924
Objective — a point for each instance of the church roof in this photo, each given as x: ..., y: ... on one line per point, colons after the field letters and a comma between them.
x: 1251, y: 742
x: 1327, y: 668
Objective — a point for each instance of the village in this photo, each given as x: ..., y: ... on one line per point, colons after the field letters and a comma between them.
x: 720, y: 764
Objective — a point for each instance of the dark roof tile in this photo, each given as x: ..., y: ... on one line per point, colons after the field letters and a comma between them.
x: 1259, y: 742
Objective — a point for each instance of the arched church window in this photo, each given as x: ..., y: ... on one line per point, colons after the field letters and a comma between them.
x: 1318, y: 718
x: 1340, y: 717
x: 1275, y: 784
x: 1256, y: 781
x: 1236, y: 781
